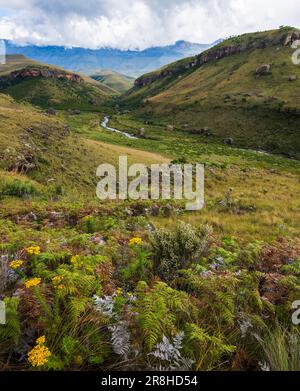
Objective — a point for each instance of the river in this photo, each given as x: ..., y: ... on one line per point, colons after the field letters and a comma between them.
x: 105, y: 123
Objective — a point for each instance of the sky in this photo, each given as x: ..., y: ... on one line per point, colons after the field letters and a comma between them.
x: 138, y: 24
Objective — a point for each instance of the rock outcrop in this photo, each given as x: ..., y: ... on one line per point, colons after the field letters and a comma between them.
x: 218, y: 52
x: 36, y: 72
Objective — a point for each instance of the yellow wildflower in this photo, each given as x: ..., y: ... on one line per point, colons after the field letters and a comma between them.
x: 119, y: 291
x: 57, y: 279
x: 61, y: 286
x: 32, y: 282
x: 135, y: 241
x: 76, y: 262
x: 33, y: 250
x: 39, y: 355
x: 41, y: 340
x: 16, y: 264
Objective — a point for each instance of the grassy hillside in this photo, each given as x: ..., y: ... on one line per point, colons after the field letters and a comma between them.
x: 45, y: 149
x: 122, y: 285
x: 226, y: 98
x: 63, y: 89
x: 99, y: 285
x: 114, y: 80
x: 15, y: 62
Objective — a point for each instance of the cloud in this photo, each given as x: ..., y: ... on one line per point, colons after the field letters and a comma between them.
x: 130, y: 24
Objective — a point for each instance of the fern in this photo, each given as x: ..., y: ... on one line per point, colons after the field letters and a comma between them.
x: 160, y: 310
x: 77, y: 306
x: 11, y: 331
x: 204, y: 348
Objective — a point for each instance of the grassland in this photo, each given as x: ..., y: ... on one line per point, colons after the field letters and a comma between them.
x: 228, y: 98
x: 99, y: 285
x: 88, y: 95
x: 116, y: 81
x: 263, y: 189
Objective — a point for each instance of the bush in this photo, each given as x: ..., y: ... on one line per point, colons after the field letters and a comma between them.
x: 17, y: 188
x: 177, y: 249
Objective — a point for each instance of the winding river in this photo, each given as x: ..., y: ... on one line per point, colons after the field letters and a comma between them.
x: 104, y: 125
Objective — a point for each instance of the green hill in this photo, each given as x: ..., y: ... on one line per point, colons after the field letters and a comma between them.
x: 47, y: 86
x: 95, y: 286
x: 42, y: 147
x: 117, y: 81
x: 226, y: 93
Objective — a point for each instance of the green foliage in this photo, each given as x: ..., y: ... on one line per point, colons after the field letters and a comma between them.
x: 139, y: 267
x: 17, y: 188
x: 206, y: 350
x: 293, y: 268
x: 217, y: 295
x: 179, y: 248
x: 156, y: 309
x: 92, y: 224
x: 11, y: 331
x: 249, y: 255
x: 282, y: 349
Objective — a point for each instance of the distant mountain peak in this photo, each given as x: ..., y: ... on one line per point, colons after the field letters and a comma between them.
x: 131, y: 62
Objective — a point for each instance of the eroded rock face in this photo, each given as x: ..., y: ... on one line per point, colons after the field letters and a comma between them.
x: 291, y: 38
x: 45, y: 73
x: 218, y: 53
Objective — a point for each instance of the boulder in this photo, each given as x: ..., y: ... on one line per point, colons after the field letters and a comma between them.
x: 228, y: 141
x: 50, y: 111
x: 263, y: 70
x: 170, y: 128
x: 75, y: 112
x: 293, y: 78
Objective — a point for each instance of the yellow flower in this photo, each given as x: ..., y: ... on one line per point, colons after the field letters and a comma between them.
x: 16, y: 264
x: 33, y: 250
x: 33, y: 282
x: 57, y: 279
x: 39, y: 355
x: 76, y: 262
x: 41, y: 340
x: 61, y: 287
x: 135, y: 241
x: 119, y: 291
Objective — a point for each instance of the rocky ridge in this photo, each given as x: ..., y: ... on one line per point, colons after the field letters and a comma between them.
x: 36, y: 72
x: 218, y: 52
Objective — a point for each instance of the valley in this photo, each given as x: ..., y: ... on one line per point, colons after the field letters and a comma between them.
x: 107, y: 285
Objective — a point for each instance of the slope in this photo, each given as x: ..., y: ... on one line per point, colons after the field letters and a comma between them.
x: 43, y: 148
x: 227, y: 93
x: 117, y: 81
x: 47, y: 86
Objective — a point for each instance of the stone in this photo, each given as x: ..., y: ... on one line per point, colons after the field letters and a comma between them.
x: 50, y: 111
x: 228, y: 141
x: 170, y: 127
x: 293, y: 78
x: 263, y: 69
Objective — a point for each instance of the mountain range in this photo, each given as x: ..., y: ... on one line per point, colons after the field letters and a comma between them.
x: 88, y: 61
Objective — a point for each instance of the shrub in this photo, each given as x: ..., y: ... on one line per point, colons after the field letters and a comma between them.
x: 17, y: 188
x: 177, y: 249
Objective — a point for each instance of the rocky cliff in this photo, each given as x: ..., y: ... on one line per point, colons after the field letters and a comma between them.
x: 228, y: 48
x: 35, y: 72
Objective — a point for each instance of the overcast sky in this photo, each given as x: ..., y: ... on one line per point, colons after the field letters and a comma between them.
x: 130, y: 24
